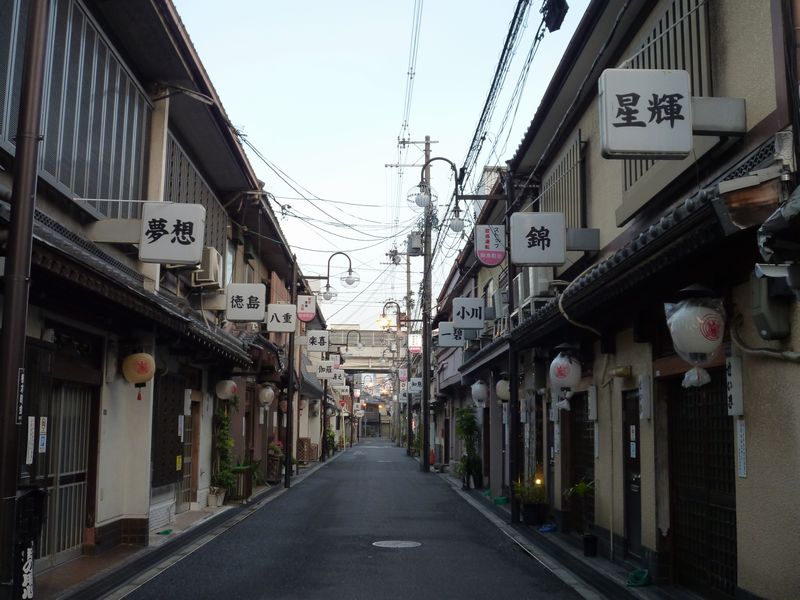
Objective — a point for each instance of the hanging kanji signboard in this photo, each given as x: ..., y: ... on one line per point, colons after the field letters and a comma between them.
x: 538, y: 239
x: 282, y: 317
x: 450, y: 336
x: 414, y: 343
x: 490, y: 244
x: 645, y: 113
x: 317, y: 340
x: 324, y: 369
x: 245, y: 302
x: 468, y: 313
x: 172, y: 233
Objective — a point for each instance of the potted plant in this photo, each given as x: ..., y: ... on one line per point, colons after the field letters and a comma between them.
x: 467, y: 431
x: 533, y: 498
x: 577, y: 495
x: 274, y: 460
x: 223, y: 478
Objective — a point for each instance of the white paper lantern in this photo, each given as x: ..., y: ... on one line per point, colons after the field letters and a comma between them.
x: 503, y: 390
x: 565, y: 372
x: 480, y: 392
x: 266, y: 395
x: 696, y: 330
x: 226, y: 389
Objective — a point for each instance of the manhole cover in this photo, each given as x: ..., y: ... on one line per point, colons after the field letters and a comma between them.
x: 396, y: 544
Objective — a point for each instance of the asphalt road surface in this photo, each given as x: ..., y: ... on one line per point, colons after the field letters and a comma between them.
x: 317, y: 541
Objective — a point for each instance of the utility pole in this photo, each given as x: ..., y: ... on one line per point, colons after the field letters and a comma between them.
x: 410, y: 431
x: 426, y: 319
x: 513, y: 364
x: 324, y: 416
x: 15, y: 304
x: 289, y: 442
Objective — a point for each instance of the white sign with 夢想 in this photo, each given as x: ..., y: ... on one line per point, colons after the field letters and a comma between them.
x: 468, y: 313
x: 316, y: 340
x: 306, y: 308
x: 324, y: 369
x: 282, y: 318
x: 245, y: 302
x: 538, y: 239
x: 415, y: 385
x: 414, y: 343
x: 450, y: 336
x: 172, y: 233
x: 645, y: 113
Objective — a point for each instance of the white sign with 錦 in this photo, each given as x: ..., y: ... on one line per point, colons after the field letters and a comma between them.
x: 468, y: 313
x: 172, y: 233
x: 282, y: 317
x: 317, y: 340
x: 245, y: 302
x: 450, y: 336
x: 645, y: 113
x: 538, y: 239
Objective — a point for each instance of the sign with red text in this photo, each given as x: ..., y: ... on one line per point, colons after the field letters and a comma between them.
x: 306, y: 308
x: 490, y: 244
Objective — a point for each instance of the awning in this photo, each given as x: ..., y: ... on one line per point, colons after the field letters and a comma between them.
x: 311, y: 386
x: 486, y: 356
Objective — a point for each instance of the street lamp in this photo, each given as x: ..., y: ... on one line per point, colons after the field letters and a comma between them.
x: 426, y: 299
x: 359, y: 345
x: 351, y: 279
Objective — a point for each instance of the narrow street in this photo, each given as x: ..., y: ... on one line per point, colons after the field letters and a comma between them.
x: 317, y: 541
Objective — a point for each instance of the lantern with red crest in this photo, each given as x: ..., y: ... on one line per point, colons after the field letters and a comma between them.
x: 138, y: 369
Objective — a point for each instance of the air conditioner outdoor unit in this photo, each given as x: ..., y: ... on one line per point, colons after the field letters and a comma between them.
x: 540, y: 280
x: 209, y: 274
x: 522, y: 286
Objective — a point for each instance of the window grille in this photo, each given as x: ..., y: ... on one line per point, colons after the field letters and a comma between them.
x: 95, y: 117
x: 678, y: 40
x: 563, y: 186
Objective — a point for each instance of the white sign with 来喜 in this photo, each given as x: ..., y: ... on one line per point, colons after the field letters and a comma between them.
x: 645, y: 113
x: 172, y: 233
x: 538, y: 239
x: 317, y: 340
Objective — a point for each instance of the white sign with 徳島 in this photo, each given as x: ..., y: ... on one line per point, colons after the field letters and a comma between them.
x: 450, y: 336
x: 645, y: 113
x: 538, y: 239
x: 245, y: 302
x: 282, y: 317
x: 172, y: 233
x: 468, y: 313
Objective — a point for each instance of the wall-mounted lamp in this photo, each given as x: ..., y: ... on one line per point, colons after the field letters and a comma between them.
x: 747, y: 201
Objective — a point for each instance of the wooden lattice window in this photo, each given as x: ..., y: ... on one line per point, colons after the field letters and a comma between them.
x: 563, y: 188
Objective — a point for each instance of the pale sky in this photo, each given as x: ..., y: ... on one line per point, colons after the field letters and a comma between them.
x: 319, y: 89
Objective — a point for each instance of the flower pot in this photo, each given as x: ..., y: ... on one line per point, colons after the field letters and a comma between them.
x: 216, y: 498
x: 589, y: 544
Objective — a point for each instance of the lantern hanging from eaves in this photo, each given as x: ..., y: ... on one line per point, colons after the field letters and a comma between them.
x: 138, y: 369
x: 266, y: 395
x: 226, y: 389
x: 480, y: 392
x: 565, y: 373
x: 696, y: 326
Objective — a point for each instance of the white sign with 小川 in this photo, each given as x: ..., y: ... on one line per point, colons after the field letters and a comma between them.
x: 645, y: 113
x: 468, y: 313
x: 245, y: 302
x: 172, y: 233
x: 450, y: 336
x: 538, y: 239
x: 282, y: 317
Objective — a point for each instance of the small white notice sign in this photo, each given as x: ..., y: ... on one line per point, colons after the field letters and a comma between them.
x: 741, y: 448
